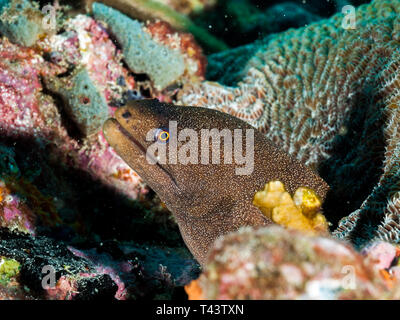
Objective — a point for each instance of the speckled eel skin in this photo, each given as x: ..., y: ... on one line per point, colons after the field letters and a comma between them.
x: 330, y: 97
x: 208, y: 198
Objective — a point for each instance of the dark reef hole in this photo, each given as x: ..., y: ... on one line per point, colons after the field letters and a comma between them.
x: 357, y: 158
x: 72, y: 3
x: 87, y: 208
x: 67, y: 73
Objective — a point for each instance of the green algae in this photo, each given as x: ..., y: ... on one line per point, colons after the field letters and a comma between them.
x: 9, y: 268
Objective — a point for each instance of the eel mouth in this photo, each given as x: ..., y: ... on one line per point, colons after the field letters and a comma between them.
x: 113, y: 124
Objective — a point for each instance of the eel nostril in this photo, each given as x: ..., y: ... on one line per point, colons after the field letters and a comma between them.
x: 126, y: 115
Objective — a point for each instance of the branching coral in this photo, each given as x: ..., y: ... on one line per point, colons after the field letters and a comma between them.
x: 324, y: 94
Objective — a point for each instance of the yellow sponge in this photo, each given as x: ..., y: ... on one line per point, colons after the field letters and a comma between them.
x: 301, y: 212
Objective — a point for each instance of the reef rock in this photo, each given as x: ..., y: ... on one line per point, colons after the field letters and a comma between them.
x: 276, y: 263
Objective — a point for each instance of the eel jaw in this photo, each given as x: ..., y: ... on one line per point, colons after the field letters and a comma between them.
x: 128, y: 148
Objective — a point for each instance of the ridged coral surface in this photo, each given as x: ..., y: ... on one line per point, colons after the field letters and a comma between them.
x: 330, y: 97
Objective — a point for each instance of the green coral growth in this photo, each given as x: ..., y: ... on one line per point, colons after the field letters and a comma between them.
x: 8, y: 268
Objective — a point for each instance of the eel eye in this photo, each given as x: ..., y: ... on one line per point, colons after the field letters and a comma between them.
x: 162, y: 135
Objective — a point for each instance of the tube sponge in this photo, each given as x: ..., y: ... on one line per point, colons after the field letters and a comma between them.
x: 142, y: 54
x: 21, y: 21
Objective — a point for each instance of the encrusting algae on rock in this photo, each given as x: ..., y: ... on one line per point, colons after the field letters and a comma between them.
x: 301, y: 212
x: 276, y: 263
x: 8, y: 268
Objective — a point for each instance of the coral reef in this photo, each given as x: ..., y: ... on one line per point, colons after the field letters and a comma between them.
x: 56, y: 165
x: 301, y: 212
x: 27, y: 112
x: 40, y: 252
x: 274, y: 263
x: 324, y: 93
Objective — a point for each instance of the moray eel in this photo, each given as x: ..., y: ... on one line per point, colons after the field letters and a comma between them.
x: 208, y: 199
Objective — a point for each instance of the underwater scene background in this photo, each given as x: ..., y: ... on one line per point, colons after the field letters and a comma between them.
x: 319, y: 79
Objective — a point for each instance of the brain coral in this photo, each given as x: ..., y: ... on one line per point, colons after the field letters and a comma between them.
x: 330, y: 97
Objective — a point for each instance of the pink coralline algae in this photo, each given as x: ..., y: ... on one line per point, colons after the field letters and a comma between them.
x: 86, y: 43
x: 27, y: 110
x: 60, y: 179
x: 65, y: 289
